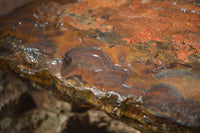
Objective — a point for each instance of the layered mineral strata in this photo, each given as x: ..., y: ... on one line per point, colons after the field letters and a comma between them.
x: 26, y: 109
x: 137, y: 60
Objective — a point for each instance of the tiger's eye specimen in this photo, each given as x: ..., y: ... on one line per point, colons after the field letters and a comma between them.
x: 137, y: 60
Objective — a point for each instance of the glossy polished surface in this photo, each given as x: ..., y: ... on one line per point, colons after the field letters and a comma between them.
x: 139, y: 60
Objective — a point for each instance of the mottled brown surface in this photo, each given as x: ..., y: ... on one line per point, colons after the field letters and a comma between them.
x: 137, y: 60
x: 23, y: 109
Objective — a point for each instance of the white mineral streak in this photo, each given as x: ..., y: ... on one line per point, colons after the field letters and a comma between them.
x: 58, y: 75
x: 120, y: 97
x: 95, y: 55
x: 98, y: 93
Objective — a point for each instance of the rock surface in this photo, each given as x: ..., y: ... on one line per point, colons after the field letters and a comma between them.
x: 138, y: 60
x: 27, y: 110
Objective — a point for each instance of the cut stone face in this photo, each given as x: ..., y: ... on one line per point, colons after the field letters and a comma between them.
x: 137, y: 60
